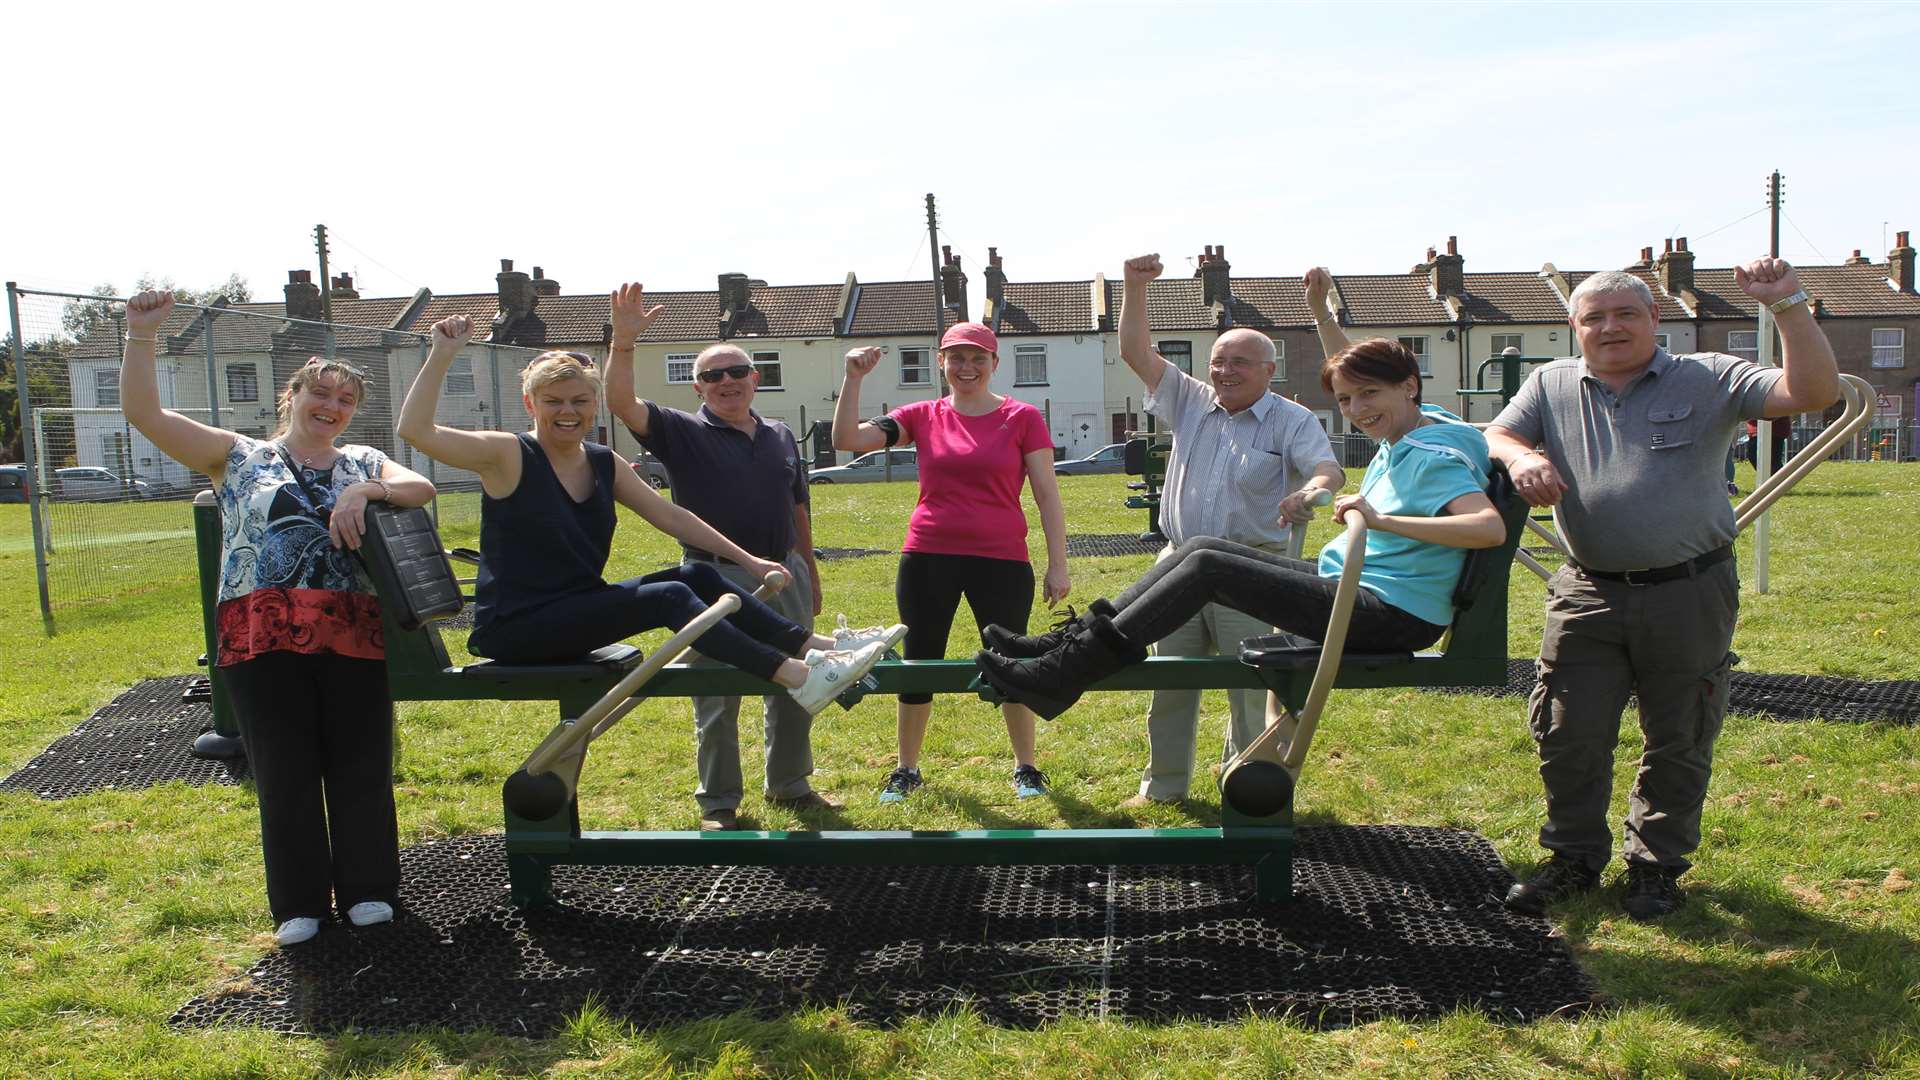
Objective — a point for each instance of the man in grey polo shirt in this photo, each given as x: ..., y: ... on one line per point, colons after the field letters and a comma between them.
x: 1628, y: 444
x: 741, y: 474
x: 1239, y: 453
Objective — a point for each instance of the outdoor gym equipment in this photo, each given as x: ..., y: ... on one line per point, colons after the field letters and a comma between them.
x: 543, y: 820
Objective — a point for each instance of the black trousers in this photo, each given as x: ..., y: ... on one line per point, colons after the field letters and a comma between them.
x: 928, y: 589
x: 319, y: 736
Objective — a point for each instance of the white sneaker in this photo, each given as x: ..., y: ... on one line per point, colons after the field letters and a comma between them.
x: 295, y: 931
x: 834, y: 673
x: 848, y: 639
x: 370, y: 913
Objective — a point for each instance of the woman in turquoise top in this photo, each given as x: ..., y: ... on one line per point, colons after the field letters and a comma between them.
x: 1424, y: 501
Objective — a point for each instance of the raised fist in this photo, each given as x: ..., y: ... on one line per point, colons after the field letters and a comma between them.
x: 147, y: 312
x: 1143, y: 268
x: 452, y: 332
x: 1767, y: 279
x: 631, y: 315
x: 1319, y: 286
x: 861, y: 362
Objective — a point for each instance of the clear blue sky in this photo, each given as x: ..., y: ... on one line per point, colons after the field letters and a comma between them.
x: 796, y: 142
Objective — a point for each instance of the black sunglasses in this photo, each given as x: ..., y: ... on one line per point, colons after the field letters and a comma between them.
x: 737, y: 371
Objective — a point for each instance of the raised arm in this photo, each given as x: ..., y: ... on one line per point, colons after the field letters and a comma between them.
x: 849, y: 431
x: 1811, y: 376
x: 631, y: 317
x: 1325, y: 323
x: 198, y: 446
x: 677, y: 521
x: 494, y: 455
x: 1136, y: 333
x: 1055, y: 581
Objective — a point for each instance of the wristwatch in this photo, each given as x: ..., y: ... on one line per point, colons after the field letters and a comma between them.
x: 1799, y: 297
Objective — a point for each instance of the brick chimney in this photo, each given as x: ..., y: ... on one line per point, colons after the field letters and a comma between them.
x: 1646, y: 260
x: 1675, y: 268
x: 544, y: 285
x: 1448, y: 275
x: 343, y: 288
x: 516, y: 293
x: 996, y: 282
x: 953, y: 283
x: 1216, y: 284
x: 1857, y: 259
x: 734, y: 300
x: 303, y: 296
x: 1900, y: 263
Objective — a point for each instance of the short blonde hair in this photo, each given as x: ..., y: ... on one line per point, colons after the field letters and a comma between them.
x: 308, y: 374
x: 559, y: 365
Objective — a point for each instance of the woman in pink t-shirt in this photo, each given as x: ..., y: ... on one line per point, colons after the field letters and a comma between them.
x: 968, y: 534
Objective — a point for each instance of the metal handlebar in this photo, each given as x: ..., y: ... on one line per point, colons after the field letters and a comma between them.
x: 1858, y: 394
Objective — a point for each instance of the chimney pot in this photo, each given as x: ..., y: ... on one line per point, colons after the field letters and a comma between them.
x: 1431, y: 253
x: 1681, y: 244
x: 1453, y: 245
x: 993, y: 257
x: 506, y: 266
x: 538, y: 273
x: 1669, y: 250
x: 299, y: 277
x: 1900, y: 263
x: 1900, y: 238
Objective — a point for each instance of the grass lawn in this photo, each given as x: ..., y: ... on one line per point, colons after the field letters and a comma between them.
x: 1798, y: 955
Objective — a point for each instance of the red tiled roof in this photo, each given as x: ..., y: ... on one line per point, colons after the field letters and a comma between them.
x: 1512, y: 298
x: 1390, y: 300
x: 1275, y: 303
x: 1048, y: 307
x: 1172, y: 304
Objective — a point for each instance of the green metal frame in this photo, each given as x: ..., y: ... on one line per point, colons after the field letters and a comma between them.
x: 1147, y: 453
x: 419, y: 669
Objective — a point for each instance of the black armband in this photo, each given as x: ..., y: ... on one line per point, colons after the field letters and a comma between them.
x: 888, y: 426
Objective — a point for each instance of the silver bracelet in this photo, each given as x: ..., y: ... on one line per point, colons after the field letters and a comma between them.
x: 386, y: 493
x: 145, y: 340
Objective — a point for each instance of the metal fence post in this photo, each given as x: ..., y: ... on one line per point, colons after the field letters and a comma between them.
x: 213, y: 375
x: 27, y: 455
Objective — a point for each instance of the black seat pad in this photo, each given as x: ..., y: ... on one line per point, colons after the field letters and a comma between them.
x: 1290, y: 651
x: 600, y: 662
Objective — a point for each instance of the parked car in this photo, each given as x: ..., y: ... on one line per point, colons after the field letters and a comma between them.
x: 14, y: 487
x: 869, y: 468
x: 650, y: 470
x: 87, y: 483
x: 1111, y: 458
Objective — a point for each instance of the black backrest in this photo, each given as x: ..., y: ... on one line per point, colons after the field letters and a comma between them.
x: 1480, y: 561
x: 401, y: 551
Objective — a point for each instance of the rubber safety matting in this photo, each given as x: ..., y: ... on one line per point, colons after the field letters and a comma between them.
x: 139, y: 739
x: 1093, y: 544
x: 1386, y: 921
x: 1783, y: 697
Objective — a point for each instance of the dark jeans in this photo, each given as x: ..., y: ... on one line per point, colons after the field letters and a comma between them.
x: 1287, y: 593
x: 755, y: 639
x: 319, y: 735
x: 928, y: 589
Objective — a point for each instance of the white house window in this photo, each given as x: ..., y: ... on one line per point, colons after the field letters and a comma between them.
x: 1030, y: 365
x: 106, y: 388
x: 1890, y: 348
x: 1502, y: 342
x: 1418, y: 347
x: 768, y: 365
x: 1744, y: 344
x: 915, y: 369
x: 1179, y: 354
x: 243, y: 383
x: 680, y: 368
x: 1279, y: 362
x: 460, y: 376
x: 1661, y: 341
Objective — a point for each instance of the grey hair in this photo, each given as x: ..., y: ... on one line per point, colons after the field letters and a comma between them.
x: 1269, y: 354
x: 1611, y: 281
x: 722, y: 349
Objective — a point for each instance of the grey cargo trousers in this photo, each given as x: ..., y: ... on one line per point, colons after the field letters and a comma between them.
x: 1605, y: 640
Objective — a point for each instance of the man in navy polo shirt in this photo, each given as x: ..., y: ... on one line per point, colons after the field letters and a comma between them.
x: 741, y: 474
x: 1627, y: 444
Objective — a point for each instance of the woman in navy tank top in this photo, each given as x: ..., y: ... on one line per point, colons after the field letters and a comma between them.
x: 546, y: 529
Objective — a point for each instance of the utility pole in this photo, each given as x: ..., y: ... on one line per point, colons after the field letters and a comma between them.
x: 933, y: 256
x: 1763, y: 463
x: 326, y: 285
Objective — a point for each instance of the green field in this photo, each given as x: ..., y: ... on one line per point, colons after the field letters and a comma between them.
x: 1798, y: 955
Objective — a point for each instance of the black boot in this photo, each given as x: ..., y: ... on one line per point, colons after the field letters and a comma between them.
x: 1050, y: 684
x: 999, y: 639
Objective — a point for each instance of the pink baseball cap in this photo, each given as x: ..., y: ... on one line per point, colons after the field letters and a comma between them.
x: 970, y: 333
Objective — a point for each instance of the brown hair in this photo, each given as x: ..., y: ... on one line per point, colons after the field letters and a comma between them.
x: 1375, y: 360
x: 308, y: 374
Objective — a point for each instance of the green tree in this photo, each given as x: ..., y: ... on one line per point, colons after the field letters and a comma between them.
x: 82, y: 317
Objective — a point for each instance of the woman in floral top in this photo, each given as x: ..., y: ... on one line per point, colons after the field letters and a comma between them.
x: 300, y: 645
